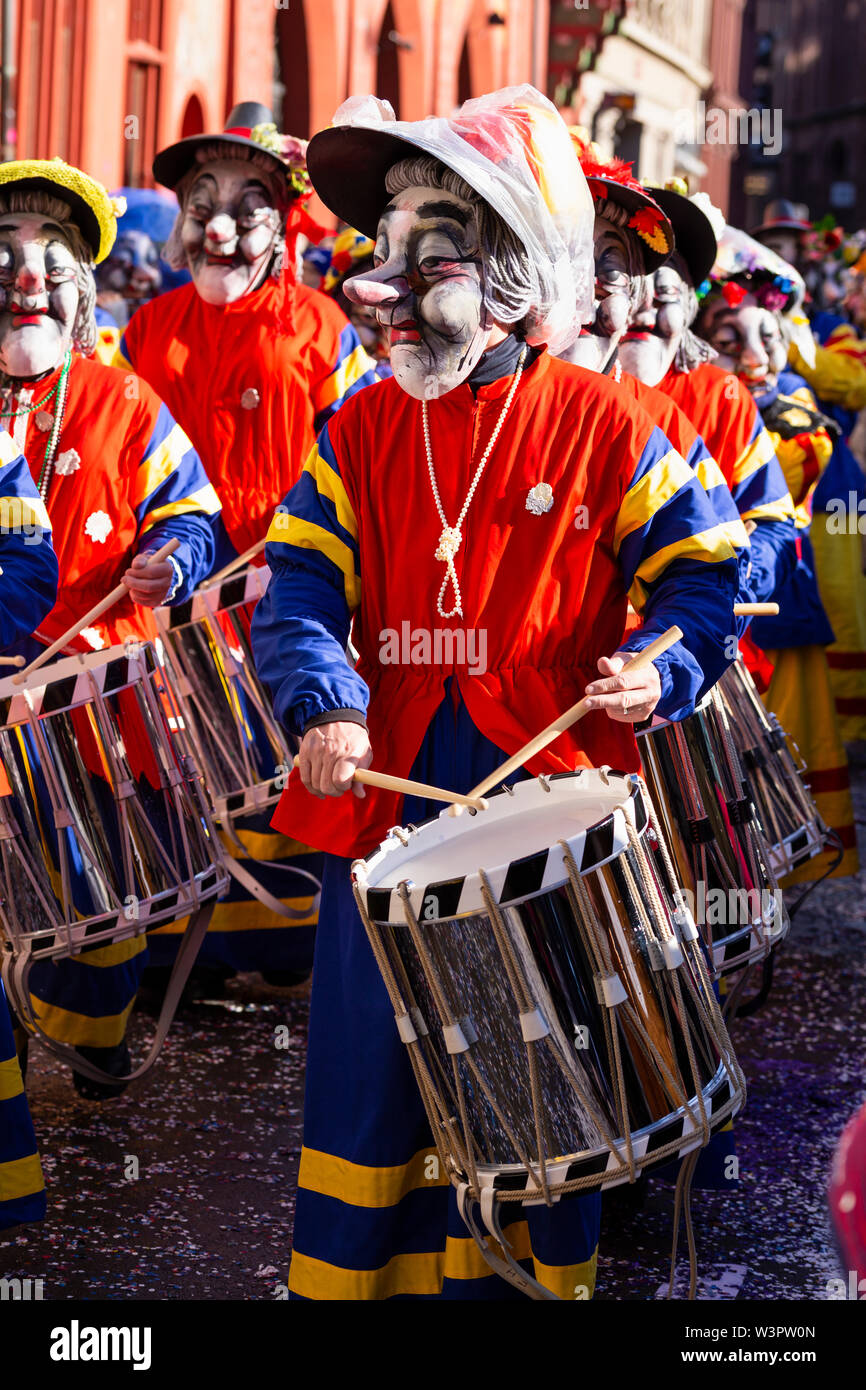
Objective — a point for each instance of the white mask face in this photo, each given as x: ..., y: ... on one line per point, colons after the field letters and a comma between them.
x: 230, y: 230
x: 39, y: 294
x: 656, y: 326
x: 427, y: 289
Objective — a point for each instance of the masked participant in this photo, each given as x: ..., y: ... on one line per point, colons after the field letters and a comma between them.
x: 251, y: 362
x: 119, y: 478
x: 661, y: 349
x: 750, y: 315
x: 632, y: 239
x: 29, y: 568
x: 531, y: 497
x: 134, y: 272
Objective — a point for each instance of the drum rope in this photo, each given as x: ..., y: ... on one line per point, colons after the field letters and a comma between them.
x: 436, y: 1115
x: 683, y: 1214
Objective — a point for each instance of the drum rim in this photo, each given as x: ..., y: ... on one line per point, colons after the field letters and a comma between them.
x: 502, y: 1176
x: 204, y: 601
x: 508, y: 879
x: 81, y: 665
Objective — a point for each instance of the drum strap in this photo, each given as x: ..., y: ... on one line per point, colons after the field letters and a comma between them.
x: 16, y: 974
x: 249, y: 881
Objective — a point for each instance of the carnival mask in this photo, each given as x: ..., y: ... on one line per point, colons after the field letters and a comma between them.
x: 656, y: 326
x: 747, y: 338
x: 230, y: 230
x: 786, y: 243
x: 617, y: 265
x: 132, y: 270
x: 426, y: 287
x: 39, y: 294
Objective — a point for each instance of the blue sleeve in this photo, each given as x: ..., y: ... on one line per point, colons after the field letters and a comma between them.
x: 193, y: 560
x: 699, y: 600
x: 28, y: 564
x: 773, y: 558
x: 300, y: 630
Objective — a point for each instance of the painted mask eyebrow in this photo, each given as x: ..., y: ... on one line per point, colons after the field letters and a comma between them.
x: 443, y: 209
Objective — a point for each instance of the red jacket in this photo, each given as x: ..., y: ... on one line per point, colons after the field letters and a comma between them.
x: 251, y: 382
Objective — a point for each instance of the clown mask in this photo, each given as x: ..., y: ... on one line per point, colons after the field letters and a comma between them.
x: 39, y: 294
x: 132, y: 270
x: 656, y: 325
x: 230, y: 230
x: 427, y: 289
x: 618, y: 267
x: 747, y: 338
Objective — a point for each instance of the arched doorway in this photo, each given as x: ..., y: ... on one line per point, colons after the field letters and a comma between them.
x: 291, y: 100
x: 388, y: 62
x: 193, y: 118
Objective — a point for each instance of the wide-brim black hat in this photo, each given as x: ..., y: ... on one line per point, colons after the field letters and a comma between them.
x: 695, y: 238
x: 348, y: 166
x: 172, y: 163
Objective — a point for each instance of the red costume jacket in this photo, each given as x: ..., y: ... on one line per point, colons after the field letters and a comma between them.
x: 138, y: 480
x: 251, y: 383
x: 547, y: 588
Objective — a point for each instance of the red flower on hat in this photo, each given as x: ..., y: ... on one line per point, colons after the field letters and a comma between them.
x: 647, y: 222
x: 733, y: 294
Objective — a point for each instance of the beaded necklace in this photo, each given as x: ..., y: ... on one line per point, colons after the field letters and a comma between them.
x: 61, y: 391
x: 451, y: 537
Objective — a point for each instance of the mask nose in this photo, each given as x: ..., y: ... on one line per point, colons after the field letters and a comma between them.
x: 373, y: 291
x: 221, y: 229
x: 30, y: 280
x: 644, y: 315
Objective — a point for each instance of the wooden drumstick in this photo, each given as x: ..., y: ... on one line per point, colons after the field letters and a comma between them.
x: 753, y: 610
x: 571, y: 716
x: 408, y: 788
x: 244, y: 559
x: 117, y: 592
x: 11, y: 660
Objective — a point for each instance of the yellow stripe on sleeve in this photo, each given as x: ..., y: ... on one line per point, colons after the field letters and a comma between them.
x: 159, y: 465
x: 9, y: 450
x: 286, y: 529
x: 782, y: 510
x: 329, y: 484
x: 18, y: 513
x: 709, y: 474
x: 343, y: 377
x: 655, y: 488
x: 205, y: 500
x: 754, y: 456
x: 710, y: 547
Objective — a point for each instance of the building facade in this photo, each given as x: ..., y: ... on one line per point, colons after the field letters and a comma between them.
x: 804, y: 59
x: 106, y: 83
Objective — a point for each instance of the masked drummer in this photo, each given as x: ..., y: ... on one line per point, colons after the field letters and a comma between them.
x: 461, y: 497
x: 252, y: 364
x: 632, y: 239
x: 750, y: 316
x: 660, y: 348
x: 118, y: 477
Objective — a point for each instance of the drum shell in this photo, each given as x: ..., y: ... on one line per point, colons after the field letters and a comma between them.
x: 241, y: 749
x: 455, y: 975
x: 104, y: 827
x: 775, y: 774
x: 698, y: 788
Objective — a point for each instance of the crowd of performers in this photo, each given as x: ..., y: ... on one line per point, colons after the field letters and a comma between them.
x: 518, y: 393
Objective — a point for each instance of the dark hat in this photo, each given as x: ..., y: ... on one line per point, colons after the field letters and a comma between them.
x: 249, y: 125
x: 695, y: 238
x: 781, y: 215
x: 613, y: 180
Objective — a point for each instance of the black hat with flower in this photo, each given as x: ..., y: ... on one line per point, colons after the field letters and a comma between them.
x: 250, y: 127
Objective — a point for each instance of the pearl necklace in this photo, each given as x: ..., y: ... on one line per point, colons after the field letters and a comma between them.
x: 451, y: 537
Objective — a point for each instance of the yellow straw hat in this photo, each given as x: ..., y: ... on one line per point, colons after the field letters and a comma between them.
x: 94, y: 211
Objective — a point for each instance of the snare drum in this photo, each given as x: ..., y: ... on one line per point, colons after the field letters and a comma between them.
x: 721, y: 858
x: 227, y: 714
x: 105, y: 830
x: 555, y: 1003
x: 775, y: 774
x: 245, y: 761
